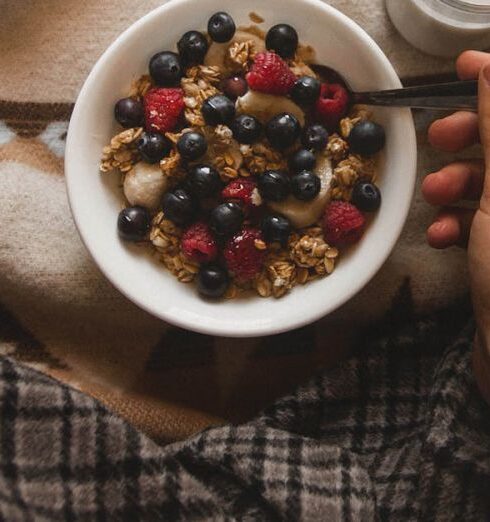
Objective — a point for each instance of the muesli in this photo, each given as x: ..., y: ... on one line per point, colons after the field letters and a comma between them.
x: 243, y: 165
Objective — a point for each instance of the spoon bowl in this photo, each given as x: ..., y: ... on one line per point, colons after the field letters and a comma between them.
x: 460, y: 95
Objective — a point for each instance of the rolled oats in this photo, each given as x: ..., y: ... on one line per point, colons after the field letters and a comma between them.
x: 171, y: 166
x: 165, y: 236
x: 357, y: 113
x: 361, y: 111
x: 121, y: 154
x: 175, y: 136
x: 263, y: 285
x: 228, y: 173
x: 348, y: 172
x: 302, y: 274
x: 313, y: 255
x: 305, y: 53
x: 301, y: 68
x: 260, y: 157
x: 308, y: 251
x: 232, y: 292
x: 346, y: 125
x: 226, y: 159
x: 256, y: 18
x: 337, y: 148
x: 240, y: 55
x: 355, y: 164
x: 198, y: 85
x: 223, y: 151
x: 329, y: 265
x: 140, y: 86
x: 281, y: 273
x: 223, y: 134
x: 253, y: 29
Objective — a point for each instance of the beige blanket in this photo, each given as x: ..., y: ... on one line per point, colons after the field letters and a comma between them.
x: 57, y: 311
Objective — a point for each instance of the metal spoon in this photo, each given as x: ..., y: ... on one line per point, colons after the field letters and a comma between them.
x: 459, y: 95
x: 462, y: 95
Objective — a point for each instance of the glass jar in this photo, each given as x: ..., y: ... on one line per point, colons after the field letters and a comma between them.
x: 442, y: 27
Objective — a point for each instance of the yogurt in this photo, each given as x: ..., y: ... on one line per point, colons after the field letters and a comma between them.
x: 442, y: 27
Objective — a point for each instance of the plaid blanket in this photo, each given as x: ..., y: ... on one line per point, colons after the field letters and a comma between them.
x: 398, y: 432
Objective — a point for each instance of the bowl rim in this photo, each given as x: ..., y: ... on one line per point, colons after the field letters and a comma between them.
x: 232, y: 330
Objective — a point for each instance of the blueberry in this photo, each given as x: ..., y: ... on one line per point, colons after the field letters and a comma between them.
x: 192, y: 47
x: 246, y: 129
x: 218, y: 109
x: 212, y: 280
x: 166, y: 69
x: 273, y: 185
x: 226, y: 219
x: 303, y: 159
x: 204, y: 181
x: 133, y: 223
x: 276, y: 228
x: 366, y: 196
x: 234, y: 87
x: 305, y: 186
x: 221, y: 27
x: 314, y: 137
x: 129, y: 112
x: 306, y: 90
x: 283, y: 39
x: 179, y: 207
x: 283, y: 130
x: 366, y: 138
x: 153, y: 147
x: 192, y: 145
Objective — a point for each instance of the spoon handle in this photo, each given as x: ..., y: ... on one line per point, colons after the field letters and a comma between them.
x: 462, y: 95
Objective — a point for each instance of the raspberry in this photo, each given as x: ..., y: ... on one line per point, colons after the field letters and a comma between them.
x: 242, y: 189
x: 242, y: 257
x: 163, y: 108
x: 198, y: 243
x: 343, y: 224
x: 332, y: 104
x: 270, y: 74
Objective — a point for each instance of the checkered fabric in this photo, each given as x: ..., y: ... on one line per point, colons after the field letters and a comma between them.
x: 397, y: 433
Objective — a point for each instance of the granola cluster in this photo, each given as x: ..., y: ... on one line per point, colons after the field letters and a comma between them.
x: 199, y: 83
x: 260, y: 157
x: 165, y: 237
x: 240, y: 55
x: 306, y: 257
x: 121, y: 154
x: 349, y: 168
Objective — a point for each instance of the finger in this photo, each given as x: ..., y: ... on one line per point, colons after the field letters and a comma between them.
x: 451, y: 227
x: 484, y: 115
x: 457, y: 181
x: 470, y: 63
x: 455, y: 132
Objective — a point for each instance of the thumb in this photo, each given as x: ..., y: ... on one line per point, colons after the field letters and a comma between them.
x: 484, y: 119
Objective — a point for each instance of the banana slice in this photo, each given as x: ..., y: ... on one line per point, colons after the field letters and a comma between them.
x: 216, y: 54
x: 305, y: 213
x: 145, y: 185
x: 266, y: 106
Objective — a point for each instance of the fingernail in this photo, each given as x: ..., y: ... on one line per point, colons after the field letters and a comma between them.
x: 486, y: 74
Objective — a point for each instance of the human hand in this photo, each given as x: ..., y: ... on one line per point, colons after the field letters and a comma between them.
x: 467, y: 180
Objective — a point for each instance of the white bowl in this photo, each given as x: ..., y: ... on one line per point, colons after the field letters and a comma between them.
x: 96, y: 199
